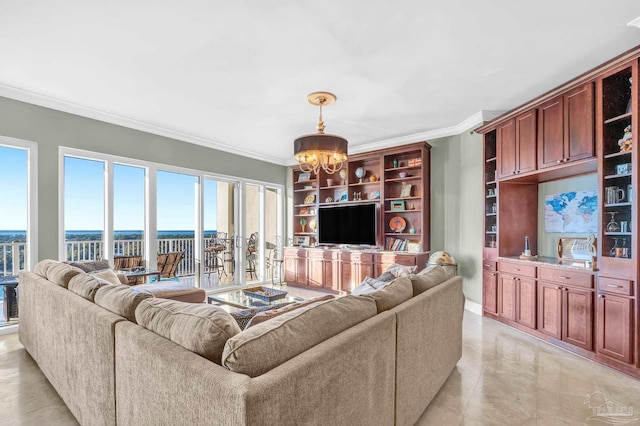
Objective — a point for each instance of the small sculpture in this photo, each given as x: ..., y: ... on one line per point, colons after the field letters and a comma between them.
x: 626, y: 143
x: 343, y: 176
x: 360, y: 172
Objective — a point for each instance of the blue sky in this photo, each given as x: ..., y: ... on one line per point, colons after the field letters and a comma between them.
x: 13, y: 188
x: 84, y: 195
x: 84, y: 198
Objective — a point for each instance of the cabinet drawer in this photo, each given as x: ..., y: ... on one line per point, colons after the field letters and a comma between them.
x: 489, y: 265
x: 517, y: 269
x: 563, y: 276
x: 614, y: 285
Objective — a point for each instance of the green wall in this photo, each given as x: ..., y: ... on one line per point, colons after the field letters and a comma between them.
x: 51, y: 129
x: 457, y: 199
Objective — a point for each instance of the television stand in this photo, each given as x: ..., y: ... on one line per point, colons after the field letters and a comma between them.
x: 340, y: 270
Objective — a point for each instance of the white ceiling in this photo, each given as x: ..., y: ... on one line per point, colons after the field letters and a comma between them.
x: 234, y: 75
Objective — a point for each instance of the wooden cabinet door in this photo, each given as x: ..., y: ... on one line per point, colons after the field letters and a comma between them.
x: 331, y: 274
x: 290, y: 268
x: 615, y: 327
x: 506, y: 138
x: 551, y: 133
x: 316, y: 271
x: 490, y: 292
x: 302, y: 270
x: 507, y: 297
x: 550, y: 309
x: 526, y: 312
x: 579, y: 123
x: 577, y: 321
x: 526, y: 135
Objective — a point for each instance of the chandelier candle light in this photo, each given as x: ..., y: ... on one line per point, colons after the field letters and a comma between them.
x: 320, y: 150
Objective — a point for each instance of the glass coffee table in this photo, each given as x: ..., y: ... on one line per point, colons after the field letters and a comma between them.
x: 238, y: 299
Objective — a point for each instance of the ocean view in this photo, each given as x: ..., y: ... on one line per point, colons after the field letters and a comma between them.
x: 8, y: 236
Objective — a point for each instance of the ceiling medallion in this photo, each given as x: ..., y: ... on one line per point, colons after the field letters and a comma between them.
x: 320, y: 150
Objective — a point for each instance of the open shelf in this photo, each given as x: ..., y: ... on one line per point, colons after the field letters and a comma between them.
x: 618, y: 118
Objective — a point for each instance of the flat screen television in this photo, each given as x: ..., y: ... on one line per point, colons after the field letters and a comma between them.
x: 352, y: 224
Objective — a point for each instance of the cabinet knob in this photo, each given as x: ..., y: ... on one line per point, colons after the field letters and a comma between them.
x: 515, y: 269
x: 564, y: 277
x: 513, y: 172
x: 565, y: 289
x: 558, y: 287
x: 559, y: 161
x: 601, y: 296
x: 493, y: 274
x: 566, y: 160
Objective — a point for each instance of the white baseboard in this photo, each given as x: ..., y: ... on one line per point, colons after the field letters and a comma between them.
x: 473, y: 307
x: 9, y: 329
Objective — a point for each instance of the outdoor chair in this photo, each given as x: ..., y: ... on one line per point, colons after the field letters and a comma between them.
x: 251, y: 255
x: 121, y: 263
x: 168, y: 263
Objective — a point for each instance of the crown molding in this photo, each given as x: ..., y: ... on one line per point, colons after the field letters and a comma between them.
x: 635, y: 22
x: 469, y: 123
x: 107, y: 117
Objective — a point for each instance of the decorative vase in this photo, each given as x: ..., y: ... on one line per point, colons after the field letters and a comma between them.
x: 395, y: 163
x: 412, y: 230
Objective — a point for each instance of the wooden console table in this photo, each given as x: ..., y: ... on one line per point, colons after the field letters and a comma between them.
x: 341, y: 270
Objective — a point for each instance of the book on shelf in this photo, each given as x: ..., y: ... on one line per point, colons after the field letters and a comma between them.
x: 396, y: 244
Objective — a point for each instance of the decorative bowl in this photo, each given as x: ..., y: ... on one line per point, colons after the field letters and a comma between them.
x: 265, y: 293
x: 402, y: 175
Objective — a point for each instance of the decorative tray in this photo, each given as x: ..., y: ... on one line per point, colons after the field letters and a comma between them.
x: 265, y: 293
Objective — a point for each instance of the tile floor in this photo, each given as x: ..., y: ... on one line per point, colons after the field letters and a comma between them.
x: 504, y: 378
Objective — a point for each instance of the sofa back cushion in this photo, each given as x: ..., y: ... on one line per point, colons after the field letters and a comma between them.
x: 61, y: 273
x: 428, y: 278
x: 86, y: 286
x: 265, y: 346
x: 120, y: 299
x: 43, y: 266
x: 392, y: 295
x: 199, y: 328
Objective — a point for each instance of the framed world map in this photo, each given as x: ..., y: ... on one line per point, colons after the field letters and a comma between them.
x: 575, y: 211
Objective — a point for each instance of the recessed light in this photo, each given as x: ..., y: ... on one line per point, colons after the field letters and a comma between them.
x: 635, y: 22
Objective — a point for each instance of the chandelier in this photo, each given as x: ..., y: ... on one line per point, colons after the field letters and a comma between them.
x: 320, y: 151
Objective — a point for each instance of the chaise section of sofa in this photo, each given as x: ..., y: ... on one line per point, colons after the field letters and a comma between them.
x: 74, y: 347
x: 429, y: 345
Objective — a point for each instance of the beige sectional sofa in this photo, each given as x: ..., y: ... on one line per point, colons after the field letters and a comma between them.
x: 356, y: 360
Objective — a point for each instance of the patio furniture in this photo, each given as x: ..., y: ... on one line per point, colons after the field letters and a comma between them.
x: 126, y: 263
x: 9, y: 285
x: 275, y: 261
x: 168, y: 263
x: 251, y: 254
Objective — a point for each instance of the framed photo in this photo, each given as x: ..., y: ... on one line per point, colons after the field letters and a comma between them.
x: 622, y: 169
x: 414, y: 247
x: 344, y: 197
x: 302, y: 241
x: 397, y: 205
x: 303, y: 177
x: 406, y: 191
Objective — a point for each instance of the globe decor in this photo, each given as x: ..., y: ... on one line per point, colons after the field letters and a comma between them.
x: 444, y: 259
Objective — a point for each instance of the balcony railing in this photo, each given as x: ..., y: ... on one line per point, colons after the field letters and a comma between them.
x: 93, y: 250
x: 12, y: 257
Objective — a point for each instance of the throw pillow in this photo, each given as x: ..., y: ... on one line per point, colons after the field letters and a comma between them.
x: 244, y: 316
x: 200, y: 328
x: 396, y: 270
x: 90, y: 265
x: 107, y: 275
x: 428, y: 278
x: 272, y: 313
x: 61, y: 273
x: 369, y: 285
x: 392, y: 295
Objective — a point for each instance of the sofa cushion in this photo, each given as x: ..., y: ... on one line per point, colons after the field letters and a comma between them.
x: 107, y: 275
x: 90, y: 265
x: 428, y: 278
x: 390, y: 296
x: 173, y: 290
x: 266, y: 315
x: 265, y: 346
x: 119, y: 299
x: 61, y: 273
x: 43, y: 266
x: 86, y: 286
x: 202, y: 329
